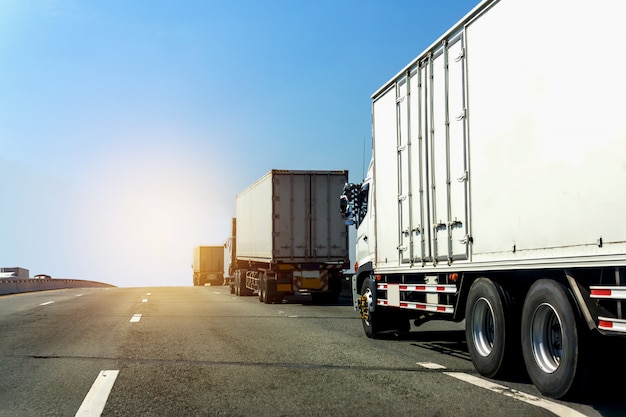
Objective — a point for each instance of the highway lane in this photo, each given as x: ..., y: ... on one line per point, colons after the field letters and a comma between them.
x: 200, y: 351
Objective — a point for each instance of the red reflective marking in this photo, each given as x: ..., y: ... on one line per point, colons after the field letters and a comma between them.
x: 421, y: 306
x: 441, y: 309
x: 403, y: 287
x: 441, y: 288
x: 605, y: 324
x: 404, y: 305
x: 420, y: 287
x: 605, y: 292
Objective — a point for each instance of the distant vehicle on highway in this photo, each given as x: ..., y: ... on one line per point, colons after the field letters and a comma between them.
x: 42, y: 276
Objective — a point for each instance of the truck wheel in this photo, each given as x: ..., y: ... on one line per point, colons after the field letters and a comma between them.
x: 491, y: 329
x: 371, y: 316
x: 262, y: 289
x: 551, y: 341
x: 269, y: 293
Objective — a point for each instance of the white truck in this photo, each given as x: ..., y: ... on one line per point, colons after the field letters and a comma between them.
x: 496, y: 189
x: 290, y: 236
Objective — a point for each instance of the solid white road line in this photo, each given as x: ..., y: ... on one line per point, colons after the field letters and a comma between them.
x: 135, y: 318
x: 558, y: 409
x: 96, y: 398
x: 46, y: 303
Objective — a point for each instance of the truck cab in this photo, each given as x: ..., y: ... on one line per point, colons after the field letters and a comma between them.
x: 358, y: 209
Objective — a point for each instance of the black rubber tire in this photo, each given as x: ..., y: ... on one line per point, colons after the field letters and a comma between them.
x: 491, y: 329
x: 262, y: 295
x: 269, y: 292
x: 237, y: 285
x: 553, y: 344
x: 373, y: 318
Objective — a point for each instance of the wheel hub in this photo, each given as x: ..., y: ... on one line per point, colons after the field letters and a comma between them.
x: 365, y: 302
x: 546, y: 338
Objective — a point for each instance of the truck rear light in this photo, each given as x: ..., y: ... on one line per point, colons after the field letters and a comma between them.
x: 454, y: 277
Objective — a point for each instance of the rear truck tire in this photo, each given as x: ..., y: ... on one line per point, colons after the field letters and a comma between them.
x: 491, y: 329
x: 553, y: 344
x: 239, y: 284
x: 262, y: 294
x: 270, y: 290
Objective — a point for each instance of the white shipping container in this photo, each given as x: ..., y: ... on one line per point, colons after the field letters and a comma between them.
x: 292, y: 217
x: 504, y: 143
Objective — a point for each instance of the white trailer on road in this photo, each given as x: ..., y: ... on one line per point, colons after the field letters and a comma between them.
x: 497, y: 187
x: 290, y: 236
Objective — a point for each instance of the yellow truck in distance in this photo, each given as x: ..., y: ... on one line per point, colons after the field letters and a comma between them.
x: 208, y: 265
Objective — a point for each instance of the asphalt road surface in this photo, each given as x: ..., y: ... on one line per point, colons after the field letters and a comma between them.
x: 201, y: 351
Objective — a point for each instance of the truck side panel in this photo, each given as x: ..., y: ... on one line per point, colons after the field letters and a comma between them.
x: 493, y: 148
x: 548, y: 149
x: 254, y: 221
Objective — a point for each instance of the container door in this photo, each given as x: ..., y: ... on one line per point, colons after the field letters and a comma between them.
x: 404, y: 178
x: 447, y: 145
x: 329, y: 235
x: 418, y: 122
x: 291, y: 200
x: 386, y: 179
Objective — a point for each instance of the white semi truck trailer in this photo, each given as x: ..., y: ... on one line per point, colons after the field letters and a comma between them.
x: 497, y: 186
x: 290, y: 236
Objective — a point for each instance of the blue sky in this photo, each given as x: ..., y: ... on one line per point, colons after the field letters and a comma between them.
x: 127, y: 128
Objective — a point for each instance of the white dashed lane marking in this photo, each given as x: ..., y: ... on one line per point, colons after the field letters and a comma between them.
x: 135, y: 318
x: 430, y: 365
x: 96, y: 398
x: 46, y: 303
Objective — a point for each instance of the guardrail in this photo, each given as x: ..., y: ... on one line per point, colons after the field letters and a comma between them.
x: 15, y: 286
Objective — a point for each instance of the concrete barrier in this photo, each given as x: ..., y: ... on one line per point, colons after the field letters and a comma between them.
x: 14, y: 286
